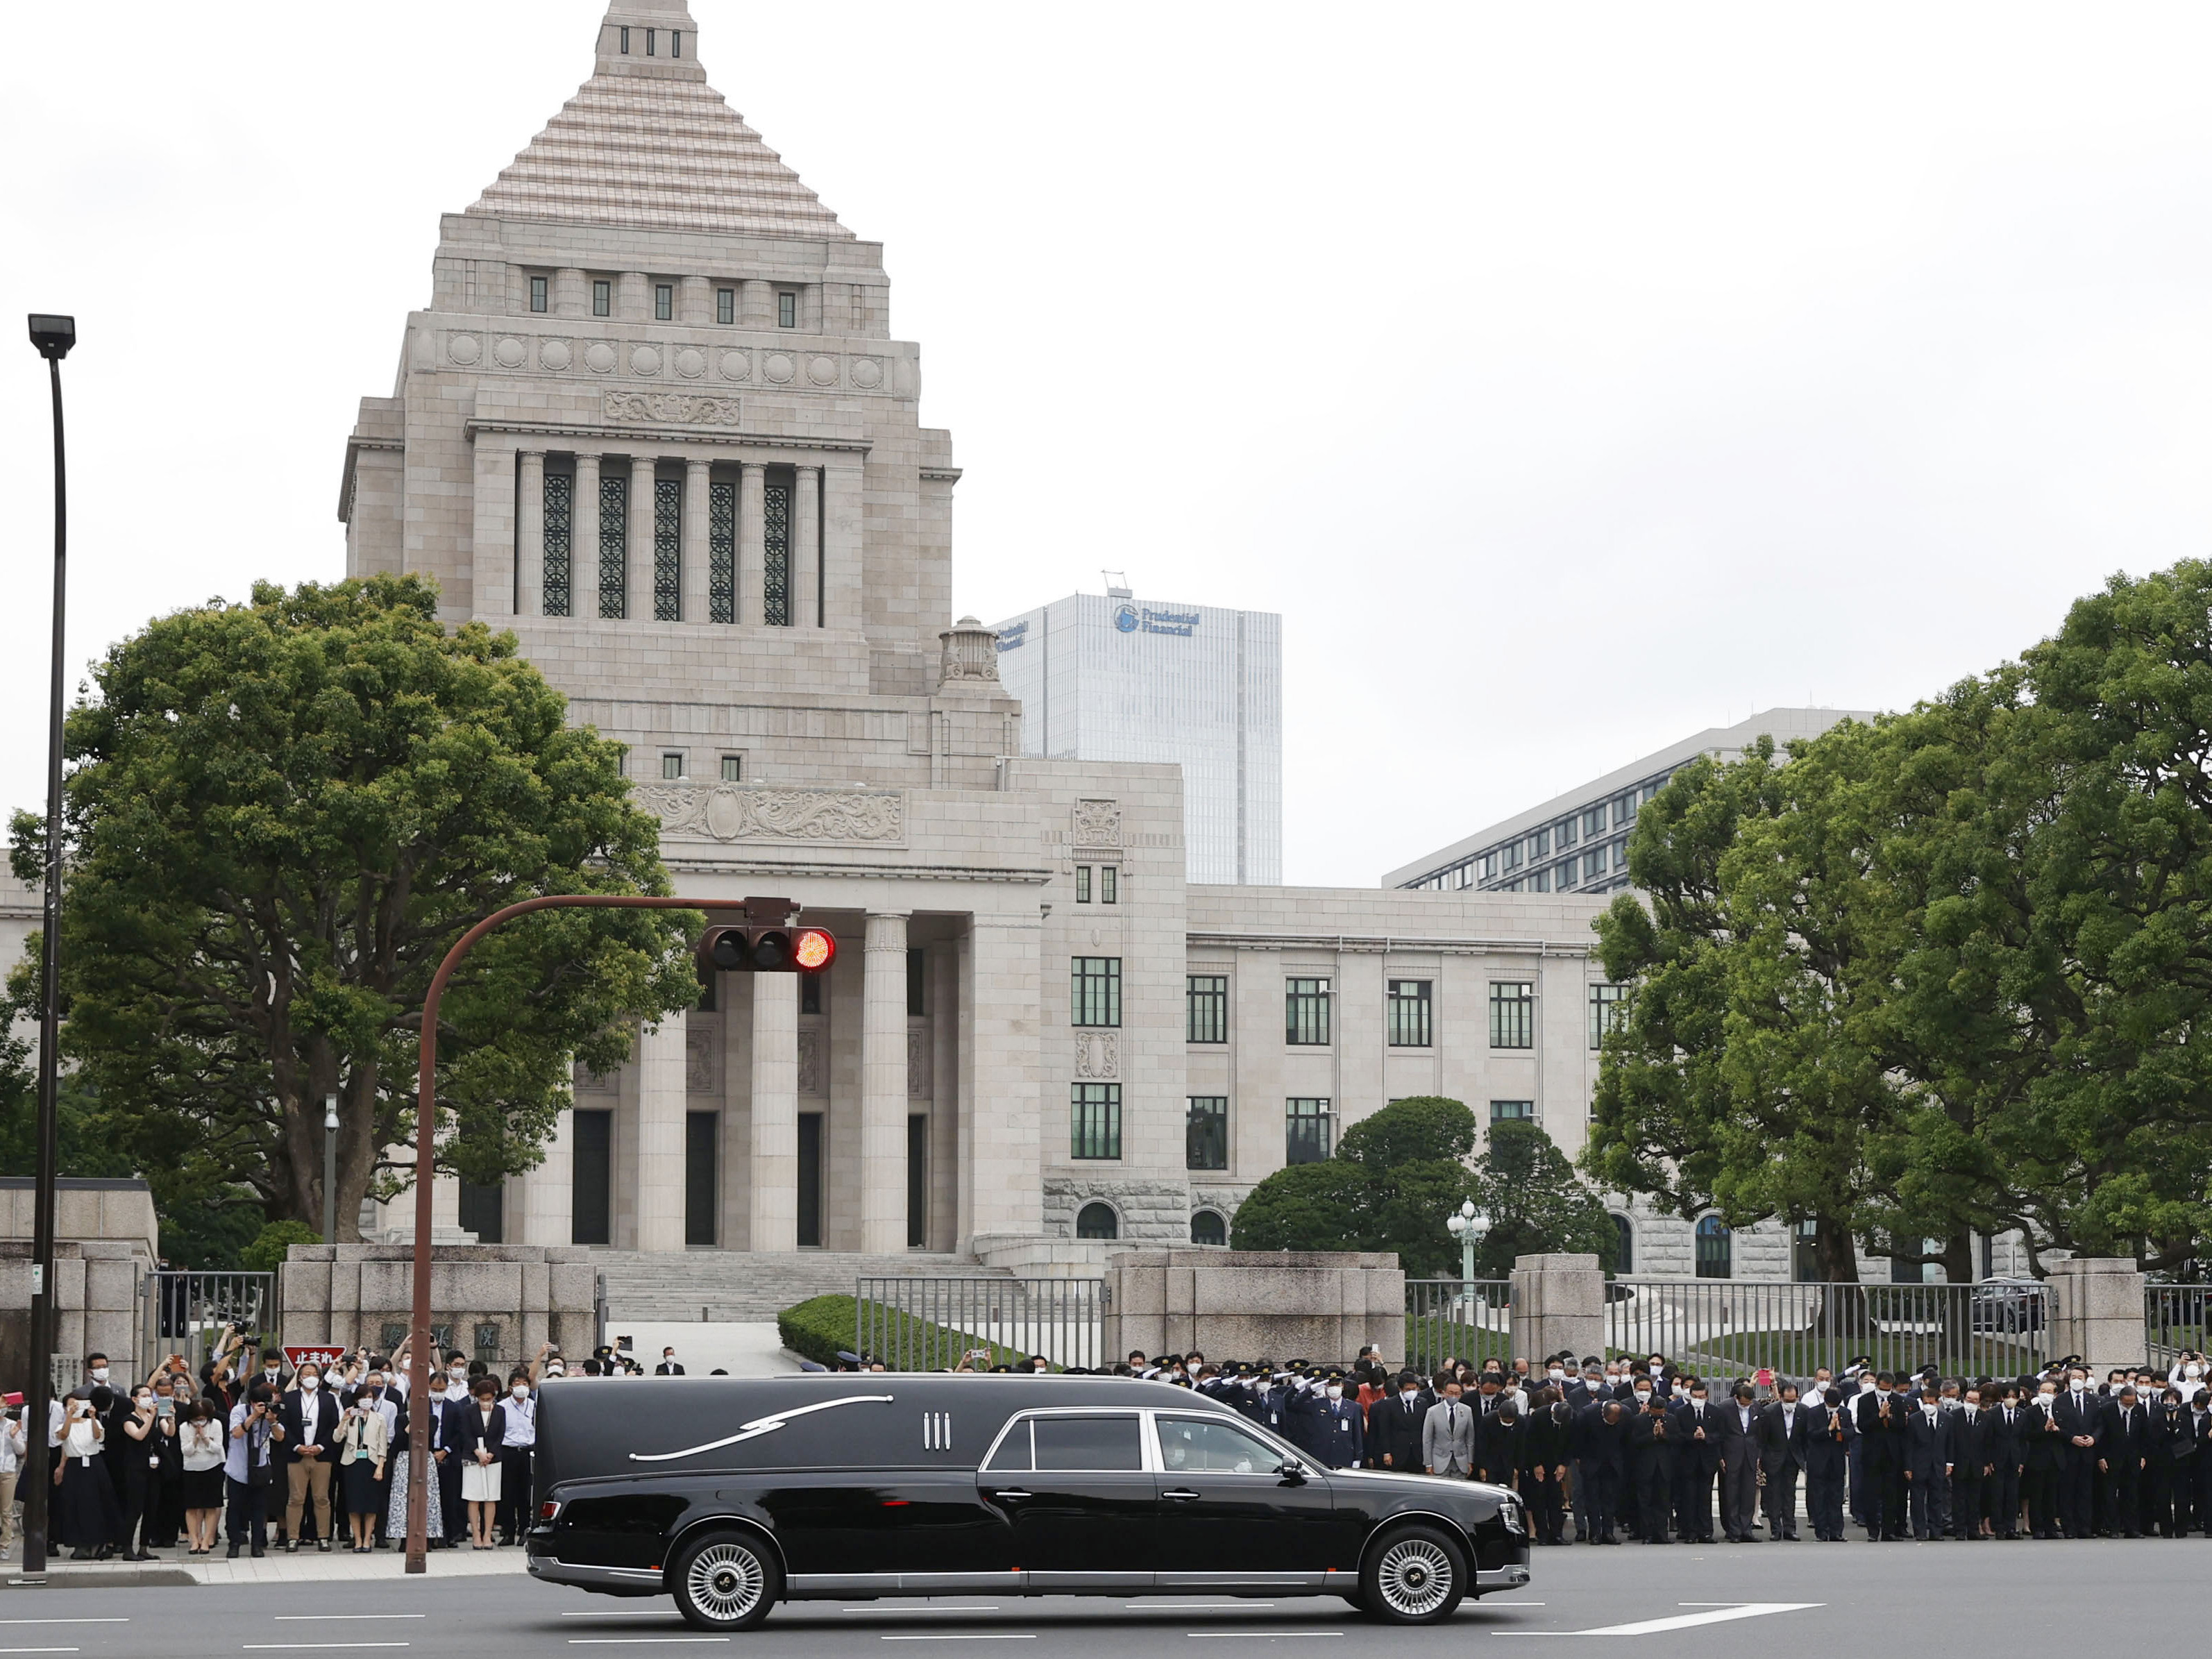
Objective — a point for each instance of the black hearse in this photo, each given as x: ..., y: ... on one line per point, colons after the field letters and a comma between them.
x: 733, y: 1494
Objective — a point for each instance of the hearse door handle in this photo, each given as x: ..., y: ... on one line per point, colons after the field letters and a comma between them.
x: 1180, y: 1495
x: 1009, y: 1492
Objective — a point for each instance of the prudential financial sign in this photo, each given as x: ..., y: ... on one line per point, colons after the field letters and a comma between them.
x: 1143, y: 619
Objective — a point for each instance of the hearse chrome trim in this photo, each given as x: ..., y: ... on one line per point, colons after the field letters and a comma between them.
x: 574, y: 1572
x: 1490, y: 1578
x: 761, y: 1426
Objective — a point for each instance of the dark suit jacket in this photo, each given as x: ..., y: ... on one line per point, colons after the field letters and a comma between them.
x: 1825, y: 1448
x: 1928, y: 1445
x: 467, y: 1430
x: 1547, y: 1441
x: 1738, y: 1443
x: 1780, y: 1448
x: 1497, y: 1447
x: 1884, y: 1437
x: 2043, y: 1438
x: 2125, y: 1441
x: 2007, y: 1445
x: 1394, y: 1432
x: 1973, y: 1444
x: 668, y: 1368
x: 1651, y: 1438
x: 1698, y: 1456
x: 1598, y: 1444
x: 307, y: 1426
x: 2086, y: 1417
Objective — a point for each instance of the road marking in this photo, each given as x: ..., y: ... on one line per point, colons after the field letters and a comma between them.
x: 1202, y: 1635
x: 1195, y: 1607
x: 311, y: 1647
x: 1721, y: 1615
x: 64, y: 1621
x: 316, y: 1618
x: 903, y: 1612
x: 610, y: 1641
x: 640, y: 1613
x: 964, y: 1636
x: 40, y: 1650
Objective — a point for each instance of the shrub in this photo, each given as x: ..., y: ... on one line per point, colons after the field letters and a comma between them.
x: 266, y: 1254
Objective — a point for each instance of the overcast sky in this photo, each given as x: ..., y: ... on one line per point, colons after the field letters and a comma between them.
x: 1571, y: 378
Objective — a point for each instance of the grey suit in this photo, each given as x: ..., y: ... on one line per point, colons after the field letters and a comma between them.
x: 1448, y: 1438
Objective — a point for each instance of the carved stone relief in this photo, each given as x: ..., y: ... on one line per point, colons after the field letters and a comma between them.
x: 702, y: 1066
x: 750, y: 813
x: 675, y: 408
x: 1098, y: 823
x: 1098, y: 1054
x: 918, y: 1084
x: 810, y: 1061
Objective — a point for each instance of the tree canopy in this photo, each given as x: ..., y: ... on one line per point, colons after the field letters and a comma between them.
x: 279, y: 816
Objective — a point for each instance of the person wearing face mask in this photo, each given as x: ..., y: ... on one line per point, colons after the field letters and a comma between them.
x: 1783, y: 1432
x: 1698, y: 1463
x: 1343, y: 1426
x: 1393, y: 1426
x: 1652, y: 1449
x: 450, y: 1402
x: 2078, y: 1413
x: 1546, y: 1450
x: 2123, y: 1454
x: 478, y: 1429
x: 518, y: 1446
x: 2008, y: 1444
x: 1600, y: 1440
x: 1829, y: 1433
x: 1739, y: 1474
x: 1447, y: 1435
x: 1878, y: 1415
x: 668, y: 1367
x: 2043, y: 1437
x: 2189, y: 1444
x: 1972, y: 1461
x: 1929, y: 1455
x: 87, y: 1517
x: 365, y: 1444
x: 136, y: 1440
x: 405, y: 1458
x: 307, y: 1427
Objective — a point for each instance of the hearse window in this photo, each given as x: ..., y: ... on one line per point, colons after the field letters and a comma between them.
x: 1014, y: 1452
x: 1090, y: 1443
x: 1214, y: 1448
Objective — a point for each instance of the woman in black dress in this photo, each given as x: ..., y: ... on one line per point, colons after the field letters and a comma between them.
x: 89, y: 1519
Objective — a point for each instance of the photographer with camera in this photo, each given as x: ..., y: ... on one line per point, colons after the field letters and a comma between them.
x: 248, y: 1473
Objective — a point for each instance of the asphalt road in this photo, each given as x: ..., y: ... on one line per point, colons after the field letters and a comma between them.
x: 1976, y: 1598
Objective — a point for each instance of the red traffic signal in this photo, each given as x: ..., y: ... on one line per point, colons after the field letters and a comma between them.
x: 767, y: 949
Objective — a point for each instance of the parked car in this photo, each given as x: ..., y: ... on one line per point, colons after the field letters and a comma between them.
x: 2007, y: 1304
x: 733, y: 1493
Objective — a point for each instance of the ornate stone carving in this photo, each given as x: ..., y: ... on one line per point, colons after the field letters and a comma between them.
x: 778, y: 368
x: 822, y: 371
x: 589, y: 1082
x: 600, y: 357
x: 867, y: 373
x: 810, y: 1061
x: 463, y: 348
x: 672, y: 408
x: 971, y: 654
x: 737, y: 366
x: 918, y: 1084
x: 555, y: 354
x: 646, y: 359
x: 702, y: 1070
x: 1098, y: 823
x: 751, y: 812
x: 690, y: 363
x: 1098, y: 1054
x: 510, y: 353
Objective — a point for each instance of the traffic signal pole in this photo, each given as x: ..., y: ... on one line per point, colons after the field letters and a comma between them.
x: 426, y: 1133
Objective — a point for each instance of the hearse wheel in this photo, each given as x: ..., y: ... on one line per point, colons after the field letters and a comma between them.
x: 724, y: 1581
x: 1415, y: 1575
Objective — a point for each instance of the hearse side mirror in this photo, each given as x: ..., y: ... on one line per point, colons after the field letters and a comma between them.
x: 1291, y: 1469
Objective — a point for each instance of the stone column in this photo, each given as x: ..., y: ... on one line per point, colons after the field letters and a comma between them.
x: 662, y: 1097
x: 572, y: 293
x: 756, y: 303
x: 806, y: 549
x: 640, y: 607
x: 529, y: 537
x: 775, y: 1176
x: 584, y: 539
x: 634, y: 297
x: 695, y: 607
x: 1000, y: 1070
x: 842, y: 512
x: 549, y: 1191
x: 2098, y: 1311
x: 1559, y: 1303
x: 752, y: 544
x: 883, y: 1086
x: 491, y: 536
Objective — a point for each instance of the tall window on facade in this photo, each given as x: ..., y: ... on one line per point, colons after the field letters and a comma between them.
x: 1083, y: 883
x: 775, y: 567
x: 1512, y: 1111
x: 1805, y: 1253
x: 1406, y: 1013
x: 1095, y: 990
x: 538, y: 293
x: 667, y: 548
x: 1306, y: 1137
x: 614, y: 545
x: 1206, y: 1008
x: 722, y: 552
x: 671, y: 765
x: 810, y: 994
x: 1512, y: 1014
x: 1097, y: 1221
x: 1110, y: 883
x: 1716, y: 1248
x: 1624, y: 1246
x: 725, y: 305
x: 1305, y: 1012
x: 1094, y: 1117
x: 603, y: 299
x: 917, y: 982
x: 1608, y: 1005
x: 786, y: 310
x: 560, y: 495
x: 663, y: 302
x: 1206, y: 1133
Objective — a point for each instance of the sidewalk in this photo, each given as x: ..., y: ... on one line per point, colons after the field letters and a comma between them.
x: 308, y: 1566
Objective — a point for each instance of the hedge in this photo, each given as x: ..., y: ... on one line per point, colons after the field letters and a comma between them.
x: 821, y: 1327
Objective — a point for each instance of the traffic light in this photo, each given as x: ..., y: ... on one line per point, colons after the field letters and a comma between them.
x: 768, y: 941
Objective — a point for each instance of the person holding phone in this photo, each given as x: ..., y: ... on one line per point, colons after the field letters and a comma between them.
x: 89, y: 1520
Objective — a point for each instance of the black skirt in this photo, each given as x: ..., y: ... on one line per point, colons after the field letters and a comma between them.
x: 88, y: 1516
x: 204, y: 1488
x: 359, y: 1480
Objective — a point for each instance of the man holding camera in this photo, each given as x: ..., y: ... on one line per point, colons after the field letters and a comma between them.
x: 307, y: 1424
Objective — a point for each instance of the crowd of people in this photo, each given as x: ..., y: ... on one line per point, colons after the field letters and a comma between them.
x: 1600, y: 1450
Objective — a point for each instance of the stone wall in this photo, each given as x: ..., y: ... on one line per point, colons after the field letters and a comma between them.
x: 1155, y: 1211
x: 1254, y: 1304
x: 496, y: 1301
x: 106, y: 1241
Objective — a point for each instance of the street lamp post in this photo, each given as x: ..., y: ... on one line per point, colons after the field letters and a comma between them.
x: 53, y: 337
x: 329, y: 1166
x: 1468, y: 1225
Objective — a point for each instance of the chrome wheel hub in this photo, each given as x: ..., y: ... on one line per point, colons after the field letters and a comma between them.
x: 725, y: 1581
x: 1414, y: 1576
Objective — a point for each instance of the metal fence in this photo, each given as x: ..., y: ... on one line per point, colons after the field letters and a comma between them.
x: 933, y: 1324
x: 2176, y: 1318
x: 1468, y: 1319
x: 191, y: 1313
x: 1724, y: 1327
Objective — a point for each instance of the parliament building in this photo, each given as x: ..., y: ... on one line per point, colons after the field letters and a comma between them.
x: 655, y: 420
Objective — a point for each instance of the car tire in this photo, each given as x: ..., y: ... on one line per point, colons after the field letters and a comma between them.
x: 725, y: 1581
x: 1413, y: 1575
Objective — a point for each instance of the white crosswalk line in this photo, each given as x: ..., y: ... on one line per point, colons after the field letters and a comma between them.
x: 1718, y: 1613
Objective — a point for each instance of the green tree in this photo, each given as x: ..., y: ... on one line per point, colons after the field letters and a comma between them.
x: 280, y: 815
x: 1535, y: 1203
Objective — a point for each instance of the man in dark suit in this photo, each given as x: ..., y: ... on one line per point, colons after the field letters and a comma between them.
x: 1545, y: 1451
x: 1781, y: 1433
x: 668, y: 1367
x: 2190, y: 1439
x: 2007, y: 1445
x: 1879, y: 1416
x: 2080, y: 1416
x: 307, y: 1424
x: 1973, y: 1455
x: 1829, y: 1437
x: 1600, y: 1439
x: 1393, y: 1426
x: 1928, y: 1460
x: 1697, y: 1463
x: 1651, y: 1454
x: 2123, y: 1453
x: 1739, y: 1470
x: 2042, y: 1441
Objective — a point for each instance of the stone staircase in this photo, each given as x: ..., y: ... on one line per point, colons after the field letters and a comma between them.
x: 733, y: 1286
